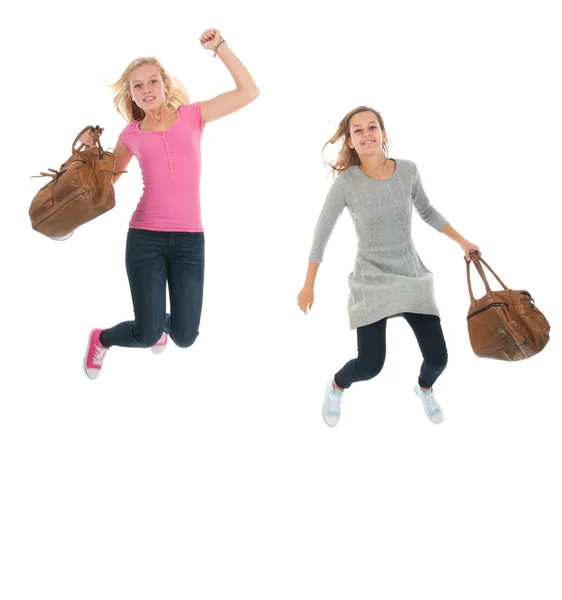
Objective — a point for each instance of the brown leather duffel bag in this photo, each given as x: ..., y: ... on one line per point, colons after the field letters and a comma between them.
x: 504, y: 325
x: 80, y: 191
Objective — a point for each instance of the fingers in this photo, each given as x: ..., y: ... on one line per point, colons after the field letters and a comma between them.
x: 208, y: 35
x: 472, y: 252
x: 87, y: 139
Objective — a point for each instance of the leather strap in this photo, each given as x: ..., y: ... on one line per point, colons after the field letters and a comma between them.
x: 477, y: 260
x: 492, y: 272
x: 97, y: 133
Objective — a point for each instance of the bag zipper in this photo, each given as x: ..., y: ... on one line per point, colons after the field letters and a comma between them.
x: 486, y: 308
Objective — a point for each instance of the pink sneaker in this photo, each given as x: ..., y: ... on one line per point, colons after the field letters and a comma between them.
x: 160, y: 345
x: 94, y: 355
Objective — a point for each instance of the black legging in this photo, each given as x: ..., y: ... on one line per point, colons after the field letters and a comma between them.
x: 371, y: 347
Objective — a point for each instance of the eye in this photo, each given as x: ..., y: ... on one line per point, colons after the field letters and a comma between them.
x: 137, y: 85
x: 154, y: 81
x: 373, y: 127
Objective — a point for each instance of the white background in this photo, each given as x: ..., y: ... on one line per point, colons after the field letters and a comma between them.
x: 208, y: 473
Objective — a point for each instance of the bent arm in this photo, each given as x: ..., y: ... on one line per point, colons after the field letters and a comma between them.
x: 246, y: 90
x: 434, y: 218
x: 424, y: 207
x: 122, y: 159
x: 452, y: 233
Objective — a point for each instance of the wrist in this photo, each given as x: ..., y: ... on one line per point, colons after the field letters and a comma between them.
x: 221, y: 44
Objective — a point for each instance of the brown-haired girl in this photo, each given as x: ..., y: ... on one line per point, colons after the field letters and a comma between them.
x: 389, y: 279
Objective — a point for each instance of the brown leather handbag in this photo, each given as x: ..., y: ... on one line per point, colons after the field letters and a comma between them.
x: 80, y: 191
x: 505, y: 325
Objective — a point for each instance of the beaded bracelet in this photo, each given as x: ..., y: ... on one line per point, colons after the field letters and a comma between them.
x: 222, y: 41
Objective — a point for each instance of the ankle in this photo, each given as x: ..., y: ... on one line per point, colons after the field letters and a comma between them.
x: 335, y: 386
x: 101, y: 342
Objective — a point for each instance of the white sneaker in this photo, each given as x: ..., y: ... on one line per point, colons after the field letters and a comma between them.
x: 430, y: 405
x: 331, y: 409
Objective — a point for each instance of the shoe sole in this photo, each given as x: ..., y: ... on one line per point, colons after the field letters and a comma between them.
x: 328, y: 424
x: 324, y: 419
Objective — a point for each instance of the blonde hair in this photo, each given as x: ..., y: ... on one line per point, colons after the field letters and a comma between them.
x: 129, y: 110
x: 347, y: 156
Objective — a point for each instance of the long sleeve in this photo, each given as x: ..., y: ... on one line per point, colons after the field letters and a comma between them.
x: 422, y: 204
x: 331, y: 211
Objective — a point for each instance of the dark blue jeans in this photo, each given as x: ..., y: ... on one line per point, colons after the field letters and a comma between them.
x: 153, y: 258
x: 371, y: 347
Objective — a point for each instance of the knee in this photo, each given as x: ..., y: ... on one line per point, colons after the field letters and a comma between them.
x: 370, y: 369
x: 184, y: 339
x: 147, y: 337
x: 439, y: 363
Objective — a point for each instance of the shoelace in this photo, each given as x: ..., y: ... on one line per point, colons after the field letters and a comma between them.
x: 98, y: 356
x: 334, y: 403
x: 430, y: 400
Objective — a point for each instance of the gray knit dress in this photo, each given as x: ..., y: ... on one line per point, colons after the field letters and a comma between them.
x: 389, y: 277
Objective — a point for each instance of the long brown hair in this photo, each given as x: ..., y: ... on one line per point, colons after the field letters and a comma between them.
x: 129, y: 110
x: 347, y: 156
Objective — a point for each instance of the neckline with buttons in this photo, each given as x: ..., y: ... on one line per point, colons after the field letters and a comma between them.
x: 137, y: 123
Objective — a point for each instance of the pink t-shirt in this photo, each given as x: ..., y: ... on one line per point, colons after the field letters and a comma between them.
x: 170, y: 162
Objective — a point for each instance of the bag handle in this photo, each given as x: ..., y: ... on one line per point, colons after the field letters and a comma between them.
x: 477, y: 260
x: 482, y: 275
x: 97, y: 134
x: 480, y: 259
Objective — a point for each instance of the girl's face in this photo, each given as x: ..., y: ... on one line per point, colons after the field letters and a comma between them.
x: 147, y: 88
x: 365, y: 134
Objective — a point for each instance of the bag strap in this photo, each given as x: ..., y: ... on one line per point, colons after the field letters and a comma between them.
x: 482, y: 275
x: 97, y: 134
x: 492, y: 272
x: 477, y: 260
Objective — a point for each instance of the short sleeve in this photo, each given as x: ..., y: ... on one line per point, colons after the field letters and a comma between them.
x: 192, y: 112
x: 124, y: 138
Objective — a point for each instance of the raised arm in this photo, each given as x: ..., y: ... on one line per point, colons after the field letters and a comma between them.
x: 246, y: 90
